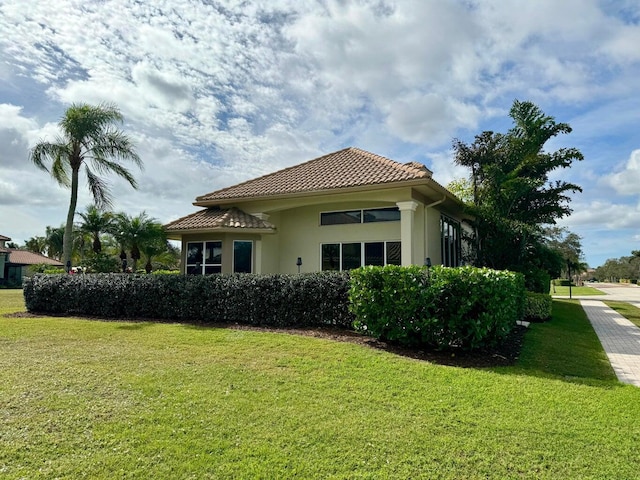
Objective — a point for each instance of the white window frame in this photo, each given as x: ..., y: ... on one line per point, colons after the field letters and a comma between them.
x: 362, y: 251
x: 203, y: 264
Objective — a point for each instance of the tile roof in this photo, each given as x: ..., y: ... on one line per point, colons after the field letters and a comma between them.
x: 24, y: 257
x: 350, y: 167
x: 218, y: 219
x: 6, y: 239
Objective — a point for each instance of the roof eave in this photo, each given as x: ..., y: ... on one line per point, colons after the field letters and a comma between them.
x: 329, y: 191
x: 176, y: 234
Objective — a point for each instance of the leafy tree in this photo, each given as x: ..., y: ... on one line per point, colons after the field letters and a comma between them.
x: 90, y: 139
x: 511, y: 194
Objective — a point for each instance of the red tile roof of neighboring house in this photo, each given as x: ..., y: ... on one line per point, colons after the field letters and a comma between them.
x: 24, y: 257
x: 346, y: 168
x: 6, y: 239
x: 218, y: 218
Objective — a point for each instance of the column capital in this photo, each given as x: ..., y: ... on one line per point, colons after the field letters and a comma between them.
x: 409, y: 205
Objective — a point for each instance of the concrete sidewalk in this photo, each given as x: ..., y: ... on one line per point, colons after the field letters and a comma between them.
x: 619, y: 337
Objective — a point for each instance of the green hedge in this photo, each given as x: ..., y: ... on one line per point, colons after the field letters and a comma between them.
x: 537, y: 307
x: 464, y: 307
x: 562, y: 282
x: 276, y: 300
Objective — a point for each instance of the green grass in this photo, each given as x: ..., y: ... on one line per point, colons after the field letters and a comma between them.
x: 92, y: 399
x: 627, y: 310
x: 564, y: 291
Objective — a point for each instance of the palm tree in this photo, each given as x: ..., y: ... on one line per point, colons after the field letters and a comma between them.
x: 95, y: 222
x: 36, y: 245
x: 138, y: 233
x: 90, y: 139
x: 154, y: 244
x: 54, y: 238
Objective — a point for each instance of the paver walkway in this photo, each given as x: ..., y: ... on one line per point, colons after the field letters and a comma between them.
x: 619, y: 337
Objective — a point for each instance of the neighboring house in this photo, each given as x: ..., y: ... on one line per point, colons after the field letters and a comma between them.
x: 14, y: 263
x: 336, y: 212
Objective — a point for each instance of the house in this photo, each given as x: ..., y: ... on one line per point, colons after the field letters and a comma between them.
x: 336, y: 212
x: 14, y: 263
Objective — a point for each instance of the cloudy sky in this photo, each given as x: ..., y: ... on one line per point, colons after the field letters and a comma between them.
x: 216, y: 92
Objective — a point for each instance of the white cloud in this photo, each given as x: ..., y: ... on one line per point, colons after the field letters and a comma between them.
x: 626, y: 181
x: 218, y: 93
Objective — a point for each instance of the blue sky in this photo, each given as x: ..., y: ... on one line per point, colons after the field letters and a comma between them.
x: 216, y: 92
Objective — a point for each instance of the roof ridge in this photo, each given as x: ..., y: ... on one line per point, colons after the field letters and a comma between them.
x: 348, y: 167
x: 273, y: 173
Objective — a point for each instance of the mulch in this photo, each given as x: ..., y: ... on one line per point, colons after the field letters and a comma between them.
x: 504, y: 355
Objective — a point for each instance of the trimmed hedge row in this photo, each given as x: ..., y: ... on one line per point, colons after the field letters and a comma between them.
x: 464, y: 307
x: 311, y: 299
x: 537, y: 307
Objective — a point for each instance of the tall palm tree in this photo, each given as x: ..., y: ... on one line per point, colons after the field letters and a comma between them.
x: 137, y: 233
x: 90, y: 139
x: 95, y: 222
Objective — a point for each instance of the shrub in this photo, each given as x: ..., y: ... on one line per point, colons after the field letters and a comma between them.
x: 277, y: 300
x: 562, y: 282
x: 101, y: 263
x: 537, y: 280
x: 44, y: 268
x: 537, y: 307
x: 464, y: 307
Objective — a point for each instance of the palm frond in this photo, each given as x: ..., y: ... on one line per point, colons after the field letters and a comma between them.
x: 99, y: 189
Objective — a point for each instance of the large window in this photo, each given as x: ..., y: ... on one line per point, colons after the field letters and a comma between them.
x: 368, y: 215
x: 346, y: 256
x: 242, y: 256
x: 204, y: 258
x: 451, y: 241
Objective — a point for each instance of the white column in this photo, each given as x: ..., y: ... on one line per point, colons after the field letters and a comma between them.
x: 257, y: 266
x: 407, y: 210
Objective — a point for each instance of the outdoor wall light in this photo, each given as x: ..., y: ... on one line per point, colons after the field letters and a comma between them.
x: 299, y: 263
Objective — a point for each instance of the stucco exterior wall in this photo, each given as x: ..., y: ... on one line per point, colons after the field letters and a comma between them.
x: 301, y: 235
x: 433, y: 240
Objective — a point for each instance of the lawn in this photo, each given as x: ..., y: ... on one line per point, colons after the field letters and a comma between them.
x: 627, y: 310
x: 564, y: 291
x: 105, y: 399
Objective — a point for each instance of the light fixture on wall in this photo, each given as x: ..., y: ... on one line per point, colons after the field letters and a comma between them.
x: 299, y: 263
x: 427, y: 263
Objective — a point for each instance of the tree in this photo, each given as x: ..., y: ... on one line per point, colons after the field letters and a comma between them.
x: 568, y: 245
x: 138, y: 233
x: 511, y: 195
x: 54, y: 238
x: 96, y: 222
x: 36, y: 245
x: 90, y: 140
